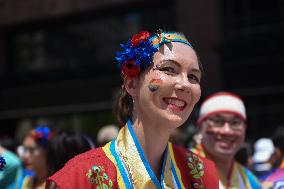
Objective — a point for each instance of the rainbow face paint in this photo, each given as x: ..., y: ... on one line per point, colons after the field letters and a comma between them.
x: 154, y: 84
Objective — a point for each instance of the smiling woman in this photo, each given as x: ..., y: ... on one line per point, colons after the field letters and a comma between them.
x: 161, y: 85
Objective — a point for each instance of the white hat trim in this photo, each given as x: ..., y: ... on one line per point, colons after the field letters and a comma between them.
x: 222, y: 102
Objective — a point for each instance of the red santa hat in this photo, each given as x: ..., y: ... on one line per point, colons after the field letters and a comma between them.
x: 222, y: 102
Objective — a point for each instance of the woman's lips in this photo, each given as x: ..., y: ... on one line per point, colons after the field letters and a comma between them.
x: 175, y: 103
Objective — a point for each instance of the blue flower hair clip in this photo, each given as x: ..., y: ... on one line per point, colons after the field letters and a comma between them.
x: 2, y: 163
x: 137, y: 53
x: 42, y: 135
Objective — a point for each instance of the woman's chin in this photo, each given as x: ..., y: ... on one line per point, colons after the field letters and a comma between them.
x: 175, y: 120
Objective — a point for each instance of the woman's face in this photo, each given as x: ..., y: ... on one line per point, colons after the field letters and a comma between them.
x: 34, y: 156
x: 223, y: 134
x: 168, y: 90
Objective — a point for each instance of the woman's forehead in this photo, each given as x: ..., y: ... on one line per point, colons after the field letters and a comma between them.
x: 177, y: 52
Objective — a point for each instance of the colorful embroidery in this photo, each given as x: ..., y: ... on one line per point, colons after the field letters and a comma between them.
x: 197, y: 171
x: 2, y: 163
x: 162, y: 38
x: 98, y: 176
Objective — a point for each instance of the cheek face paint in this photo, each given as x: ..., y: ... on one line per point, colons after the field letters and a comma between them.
x: 155, y: 84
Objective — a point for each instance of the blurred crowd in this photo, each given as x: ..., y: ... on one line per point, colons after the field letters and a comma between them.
x: 219, y: 135
x: 43, y: 151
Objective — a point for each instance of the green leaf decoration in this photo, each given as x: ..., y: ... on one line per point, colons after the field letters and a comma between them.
x: 196, y: 169
x: 110, y: 183
x: 92, y: 180
x: 193, y: 171
x: 98, y: 176
x: 105, y: 186
x: 190, y: 166
x: 197, y: 176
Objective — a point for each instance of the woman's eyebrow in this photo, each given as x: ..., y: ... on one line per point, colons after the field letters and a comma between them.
x: 171, y: 61
x: 197, y: 71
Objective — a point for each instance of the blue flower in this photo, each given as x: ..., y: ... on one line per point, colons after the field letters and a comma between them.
x: 136, y: 54
x: 2, y: 163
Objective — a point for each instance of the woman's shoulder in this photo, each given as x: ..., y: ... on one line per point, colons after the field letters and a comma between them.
x: 81, y: 161
x: 85, y: 156
x: 83, y: 168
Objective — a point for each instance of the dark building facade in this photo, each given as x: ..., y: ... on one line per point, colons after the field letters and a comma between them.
x: 57, y: 57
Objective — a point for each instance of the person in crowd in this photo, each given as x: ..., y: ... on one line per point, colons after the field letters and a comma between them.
x: 275, y: 179
x: 161, y: 85
x: 2, y: 163
x: 10, y: 169
x: 222, y: 120
x: 64, y: 146
x: 244, y: 155
x: 263, y: 150
x: 178, y: 137
x: 34, y: 157
x: 193, y: 137
x: 106, y: 134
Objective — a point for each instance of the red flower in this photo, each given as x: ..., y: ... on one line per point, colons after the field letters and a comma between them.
x: 141, y: 36
x: 130, y: 69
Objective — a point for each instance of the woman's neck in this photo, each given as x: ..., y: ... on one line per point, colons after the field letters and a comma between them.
x: 153, y: 141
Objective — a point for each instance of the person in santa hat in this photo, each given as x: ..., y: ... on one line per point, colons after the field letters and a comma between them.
x: 222, y: 122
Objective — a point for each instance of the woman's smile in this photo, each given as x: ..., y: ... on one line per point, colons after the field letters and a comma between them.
x: 175, y: 103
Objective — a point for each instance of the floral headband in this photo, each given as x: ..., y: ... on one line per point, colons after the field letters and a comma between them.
x: 137, y: 53
x: 42, y: 135
x: 2, y: 163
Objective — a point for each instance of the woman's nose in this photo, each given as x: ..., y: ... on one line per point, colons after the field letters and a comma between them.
x: 182, y: 83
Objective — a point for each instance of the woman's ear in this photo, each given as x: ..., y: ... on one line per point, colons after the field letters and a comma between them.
x: 131, y: 85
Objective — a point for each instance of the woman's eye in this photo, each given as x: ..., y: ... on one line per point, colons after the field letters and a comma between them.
x: 193, y: 78
x: 169, y: 70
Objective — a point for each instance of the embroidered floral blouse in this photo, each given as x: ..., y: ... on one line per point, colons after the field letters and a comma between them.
x: 122, y: 164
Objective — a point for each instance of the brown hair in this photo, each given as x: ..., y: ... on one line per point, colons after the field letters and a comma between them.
x: 123, y: 107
